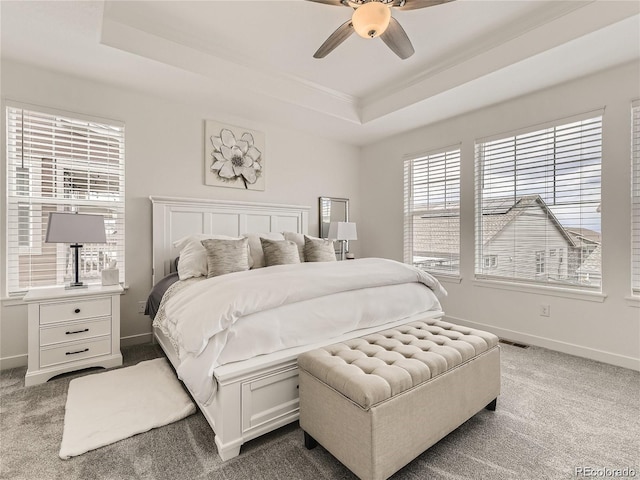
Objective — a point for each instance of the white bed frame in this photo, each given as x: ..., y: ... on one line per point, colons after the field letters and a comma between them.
x: 258, y: 395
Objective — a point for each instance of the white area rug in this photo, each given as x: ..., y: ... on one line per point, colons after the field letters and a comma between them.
x: 104, y: 408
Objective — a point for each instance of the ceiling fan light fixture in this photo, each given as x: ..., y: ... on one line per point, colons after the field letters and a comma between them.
x: 371, y: 19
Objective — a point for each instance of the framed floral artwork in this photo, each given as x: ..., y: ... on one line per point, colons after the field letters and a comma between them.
x: 234, y: 156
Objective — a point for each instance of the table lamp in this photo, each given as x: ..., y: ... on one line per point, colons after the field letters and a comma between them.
x: 342, y: 231
x: 75, y: 228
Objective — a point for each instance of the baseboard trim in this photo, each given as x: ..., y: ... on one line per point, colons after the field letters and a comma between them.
x: 136, y: 339
x: 551, y: 344
x: 13, y: 362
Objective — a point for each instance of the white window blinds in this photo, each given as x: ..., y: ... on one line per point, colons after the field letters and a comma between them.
x: 432, y: 212
x: 57, y: 163
x: 538, y: 205
x: 635, y: 199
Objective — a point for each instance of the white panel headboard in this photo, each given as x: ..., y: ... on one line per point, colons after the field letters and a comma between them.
x: 174, y: 218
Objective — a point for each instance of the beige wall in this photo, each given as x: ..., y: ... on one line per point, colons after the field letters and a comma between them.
x: 607, y: 330
x: 164, y: 156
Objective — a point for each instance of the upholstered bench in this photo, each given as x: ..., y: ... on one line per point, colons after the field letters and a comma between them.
x: 377, y: 402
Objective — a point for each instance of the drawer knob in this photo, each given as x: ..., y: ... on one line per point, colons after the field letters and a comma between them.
x: 79, y: 351
x: 77, y: 310
x: 77, y: 331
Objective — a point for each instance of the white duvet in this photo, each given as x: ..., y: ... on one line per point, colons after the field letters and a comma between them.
x: 233, y: 317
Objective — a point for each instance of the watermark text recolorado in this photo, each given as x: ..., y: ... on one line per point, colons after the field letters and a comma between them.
x: 604, y: 472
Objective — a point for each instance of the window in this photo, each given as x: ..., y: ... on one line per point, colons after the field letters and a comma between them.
x: 432, y: 212
x: 22, y: 190
x: 635, y: 199
x: 540, y: 262
x: 59, y: 163
x: 490, y: 261
x: 538, y: 192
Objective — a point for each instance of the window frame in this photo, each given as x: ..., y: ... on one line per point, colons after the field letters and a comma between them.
x: 635, y: 199
x: 539, y: 279
x: 490, y: 261
x: 451, y: 183
x: 541, y: 264
x: 85, y: 139
x: 34, y: 244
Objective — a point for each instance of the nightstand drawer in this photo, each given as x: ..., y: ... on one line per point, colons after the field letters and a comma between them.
x: 75, y: 331
x: 71, y: 352
x: 76, y: 310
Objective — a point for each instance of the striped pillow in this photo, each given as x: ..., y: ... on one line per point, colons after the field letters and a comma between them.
x: 318, y: 250
x: 226, y: 256
x: 279, y: 252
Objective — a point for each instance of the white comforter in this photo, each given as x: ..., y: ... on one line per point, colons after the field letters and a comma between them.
x: 237, y: 316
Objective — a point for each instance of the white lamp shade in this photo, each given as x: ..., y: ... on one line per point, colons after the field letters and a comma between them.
x: 342, y: 231
x: 75, y: 228
x: 371, y: 19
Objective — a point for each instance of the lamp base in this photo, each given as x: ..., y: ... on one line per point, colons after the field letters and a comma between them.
x: 77, y: 283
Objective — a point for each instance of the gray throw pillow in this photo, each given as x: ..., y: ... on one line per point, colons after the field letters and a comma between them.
x: 318, y: 250
x: 226, y: 256
x: 279, y: 252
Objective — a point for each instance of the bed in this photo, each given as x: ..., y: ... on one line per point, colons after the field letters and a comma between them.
x: 246, y: 383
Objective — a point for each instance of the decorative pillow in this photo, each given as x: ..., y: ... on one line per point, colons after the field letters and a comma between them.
x: 226, y: 256
x: 318, y: 250
x: 279, y: 252
x: 193, y: 261
x: 193, y: 256
x: 298, y: 239
x: 255, y: 248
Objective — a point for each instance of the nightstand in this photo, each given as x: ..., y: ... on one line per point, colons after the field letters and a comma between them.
x: 72, y: 329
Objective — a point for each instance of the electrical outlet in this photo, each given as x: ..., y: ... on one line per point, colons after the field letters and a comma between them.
x: 545, y: 310
x: 141, y: 306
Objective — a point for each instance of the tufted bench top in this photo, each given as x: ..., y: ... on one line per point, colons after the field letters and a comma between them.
x: 374, y: 368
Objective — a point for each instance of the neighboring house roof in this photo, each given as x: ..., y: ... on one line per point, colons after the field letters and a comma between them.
x: 495, y: 222
x: 593, y: 263
x: 585, y: 235
x: 434, y: 235
x: 437, y: 227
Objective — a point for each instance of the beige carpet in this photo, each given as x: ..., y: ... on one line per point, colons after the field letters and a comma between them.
x: 107, y: 407
x: 555, y: 413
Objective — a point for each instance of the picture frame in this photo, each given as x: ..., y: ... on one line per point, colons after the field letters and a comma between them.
x: 234, y: 156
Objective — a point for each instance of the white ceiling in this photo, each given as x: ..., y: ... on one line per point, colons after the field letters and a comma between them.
x: 253, y: 59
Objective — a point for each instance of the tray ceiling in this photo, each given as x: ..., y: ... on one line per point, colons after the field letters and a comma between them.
x: 254, y: 58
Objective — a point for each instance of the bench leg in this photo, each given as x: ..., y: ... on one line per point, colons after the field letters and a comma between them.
x: 309, y: 441
x: 492, y: 405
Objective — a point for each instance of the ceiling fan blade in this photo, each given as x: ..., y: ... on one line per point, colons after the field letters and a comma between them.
x: 337, y: 3
x: 343, y: 32
x: 415, y: 4
x: 397, y: 40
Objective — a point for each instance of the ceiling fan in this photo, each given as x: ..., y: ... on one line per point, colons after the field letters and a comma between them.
x: 372, y: 18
